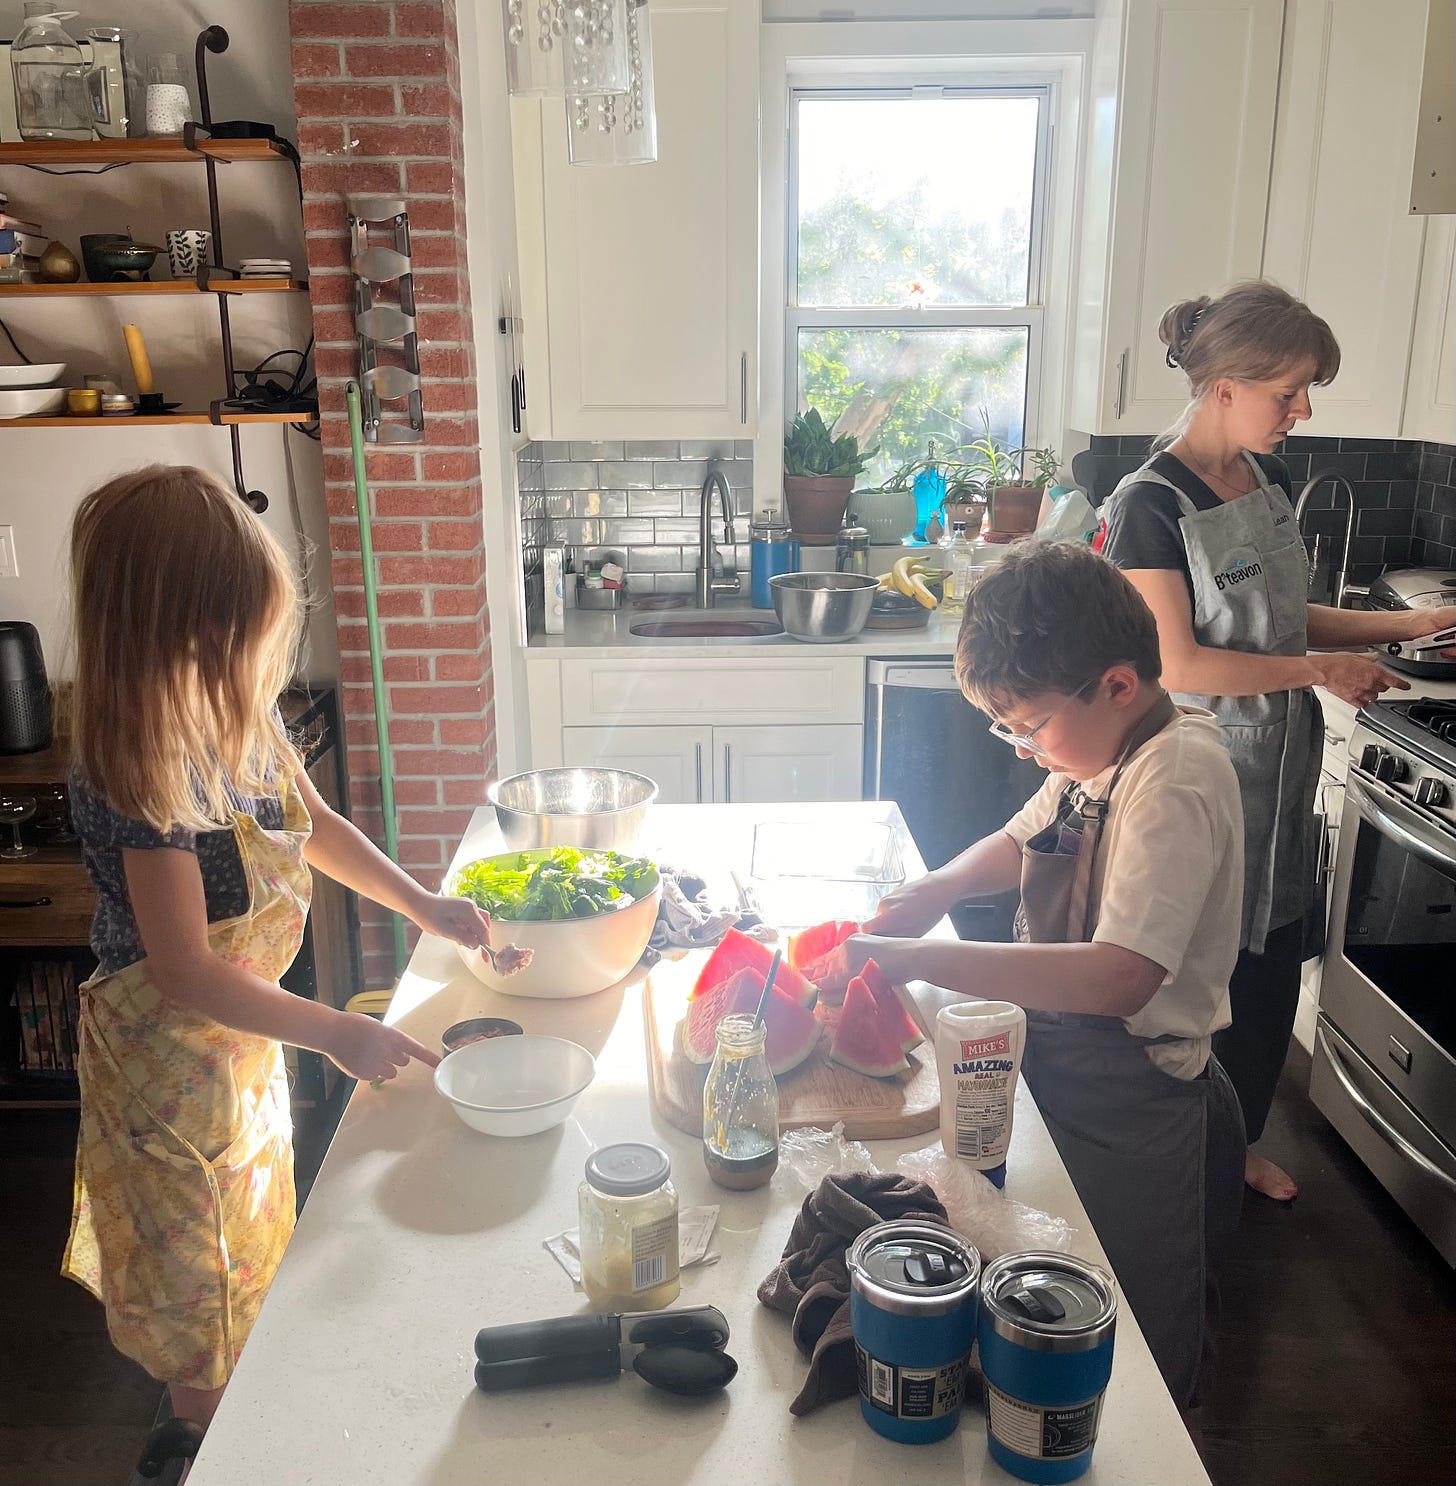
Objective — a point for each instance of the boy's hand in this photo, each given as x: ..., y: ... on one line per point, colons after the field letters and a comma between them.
x: 833, y: 972
x: 913, y: 909
x: 452, y: 918
x: 366, y: 1049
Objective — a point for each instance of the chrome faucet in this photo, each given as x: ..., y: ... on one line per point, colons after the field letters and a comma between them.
x: 1343, y: 587
x: 707, y: 584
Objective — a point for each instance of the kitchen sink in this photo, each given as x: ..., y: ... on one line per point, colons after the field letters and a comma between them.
x: 707, y: 627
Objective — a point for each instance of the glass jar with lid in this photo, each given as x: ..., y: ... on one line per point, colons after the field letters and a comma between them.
x: 627, y: 1209
x: 740, y: 1108
x: 50, y: 77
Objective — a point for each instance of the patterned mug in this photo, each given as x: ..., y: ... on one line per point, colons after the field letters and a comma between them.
x: 187, y: 250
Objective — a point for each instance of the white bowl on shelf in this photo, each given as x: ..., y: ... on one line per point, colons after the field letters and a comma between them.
x: 515, y: 1085
x: 46, y: 374
x: 31, y: 402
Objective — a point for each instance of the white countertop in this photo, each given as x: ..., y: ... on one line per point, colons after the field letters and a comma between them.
x: 590, y: 631
x: 418, y: 1231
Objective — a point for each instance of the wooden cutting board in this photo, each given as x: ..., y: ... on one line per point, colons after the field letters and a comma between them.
x: 817, y: 1092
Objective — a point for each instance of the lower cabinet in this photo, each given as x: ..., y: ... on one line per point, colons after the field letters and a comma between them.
x: 729, y: 764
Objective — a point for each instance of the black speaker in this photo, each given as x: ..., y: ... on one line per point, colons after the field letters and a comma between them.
x: 25, y: 698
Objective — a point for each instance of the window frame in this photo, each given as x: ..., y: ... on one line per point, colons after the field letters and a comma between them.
x: 912, y: 83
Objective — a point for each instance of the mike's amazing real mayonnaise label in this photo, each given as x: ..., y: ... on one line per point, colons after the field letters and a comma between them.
x: 978, y: 1056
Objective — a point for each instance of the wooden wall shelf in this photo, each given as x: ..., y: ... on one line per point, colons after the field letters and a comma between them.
x: 136, y: 151
x: 175, y: 286
x: 151, y: 420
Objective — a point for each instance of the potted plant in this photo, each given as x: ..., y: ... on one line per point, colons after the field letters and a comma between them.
x: 819, y: 473
x: 1013, y: 501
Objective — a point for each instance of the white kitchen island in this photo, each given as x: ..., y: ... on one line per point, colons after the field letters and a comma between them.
x: 418, y: 1231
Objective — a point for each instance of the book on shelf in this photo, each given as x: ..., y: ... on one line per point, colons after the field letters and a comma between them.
x: 19, y: 224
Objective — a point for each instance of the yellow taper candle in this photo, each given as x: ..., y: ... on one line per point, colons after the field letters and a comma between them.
x: 141, y: 366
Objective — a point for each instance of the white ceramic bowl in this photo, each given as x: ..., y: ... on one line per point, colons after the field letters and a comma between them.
x: 30, y: 402
x: 40, y: 375
x: 515, y: 1085
x: 572, y: 956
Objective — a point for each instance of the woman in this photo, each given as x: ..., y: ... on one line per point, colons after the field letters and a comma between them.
x: 1205, y: 532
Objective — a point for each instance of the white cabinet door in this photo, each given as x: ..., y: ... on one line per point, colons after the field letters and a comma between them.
x: 1341, y: 235
x: 754, y: 765
x: 1177, y: 190
x: 648, y: 298
x: 679, y: 759
x: 1430, y: 406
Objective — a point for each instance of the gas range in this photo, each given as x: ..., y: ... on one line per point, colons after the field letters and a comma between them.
x: 1410, y: 747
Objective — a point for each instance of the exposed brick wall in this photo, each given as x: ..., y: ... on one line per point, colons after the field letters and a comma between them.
x: 377, y: 89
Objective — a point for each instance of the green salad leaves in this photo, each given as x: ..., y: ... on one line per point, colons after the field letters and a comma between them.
x: 564, y: 883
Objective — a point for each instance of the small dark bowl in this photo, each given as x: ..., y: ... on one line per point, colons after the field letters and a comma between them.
x: 477, y: 1029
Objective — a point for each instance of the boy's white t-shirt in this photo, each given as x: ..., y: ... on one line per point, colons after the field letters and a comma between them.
x: 1168, y: 882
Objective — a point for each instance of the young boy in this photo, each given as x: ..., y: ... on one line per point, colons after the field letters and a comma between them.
x: 1130, y: 862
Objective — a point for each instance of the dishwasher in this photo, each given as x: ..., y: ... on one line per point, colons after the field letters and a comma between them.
x: 931, y: 752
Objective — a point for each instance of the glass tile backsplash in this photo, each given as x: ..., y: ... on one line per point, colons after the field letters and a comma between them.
x: 638, y: 496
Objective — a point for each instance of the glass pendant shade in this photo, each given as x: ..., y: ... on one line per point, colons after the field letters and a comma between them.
x: 611, y: 130
x: 558, y: 47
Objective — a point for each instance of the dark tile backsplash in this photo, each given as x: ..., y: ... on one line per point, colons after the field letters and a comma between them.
x: 1405, y: 494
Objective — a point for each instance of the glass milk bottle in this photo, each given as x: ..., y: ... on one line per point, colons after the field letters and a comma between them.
x: 740, y: 1108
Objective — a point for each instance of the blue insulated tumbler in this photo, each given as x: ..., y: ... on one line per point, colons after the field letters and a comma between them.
x: 1046, y: 1352
x: 770, y: 552
x: 912, y: 1309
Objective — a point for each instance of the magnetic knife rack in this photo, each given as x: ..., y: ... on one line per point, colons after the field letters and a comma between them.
x: 384, y: 320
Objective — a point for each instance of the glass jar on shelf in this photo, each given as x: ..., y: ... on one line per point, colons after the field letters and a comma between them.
x: 628, y: 1238
x: 50, y: 77
x: 740, y: 1108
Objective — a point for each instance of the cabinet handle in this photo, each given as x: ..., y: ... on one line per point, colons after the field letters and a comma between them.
x: 743, y: 388
x: 698, y: 767
x: 1117, y: 406
x: 32, y: 903
x: 1334, y: 739
x: 727, y: 773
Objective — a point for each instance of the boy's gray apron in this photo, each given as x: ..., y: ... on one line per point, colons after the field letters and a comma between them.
x: 1250, y: 593
x: 1157, y: 1160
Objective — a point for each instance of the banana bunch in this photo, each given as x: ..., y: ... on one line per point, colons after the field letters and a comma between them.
x: 912, y: 576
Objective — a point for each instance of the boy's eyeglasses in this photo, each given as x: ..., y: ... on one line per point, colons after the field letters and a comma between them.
x: 1028, y: 740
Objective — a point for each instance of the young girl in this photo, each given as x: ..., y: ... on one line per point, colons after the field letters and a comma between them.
x: 1206, y: 534
x: 199, y: 828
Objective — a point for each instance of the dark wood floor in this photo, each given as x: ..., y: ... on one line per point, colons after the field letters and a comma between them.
x: 1337, y: 1351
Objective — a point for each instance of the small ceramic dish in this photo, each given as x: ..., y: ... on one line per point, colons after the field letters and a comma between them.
x: 478, y: 1029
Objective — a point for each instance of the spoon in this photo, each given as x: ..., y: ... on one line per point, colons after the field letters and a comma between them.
x: 508, y: 959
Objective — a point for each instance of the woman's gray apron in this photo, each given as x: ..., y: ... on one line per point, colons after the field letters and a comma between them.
x: 1250, y: 587
x: 1157, y: 1160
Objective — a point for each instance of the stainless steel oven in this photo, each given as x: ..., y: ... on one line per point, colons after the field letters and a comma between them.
x: 1385, y: 1044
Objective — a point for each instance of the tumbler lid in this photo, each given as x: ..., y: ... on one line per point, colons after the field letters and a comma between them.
x: 913, y: 1268
x: 1049, y: 1302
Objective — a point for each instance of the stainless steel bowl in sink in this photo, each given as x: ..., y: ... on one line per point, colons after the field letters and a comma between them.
x: 707, y: 627
x: 823, y: 607
x: 598, y: 809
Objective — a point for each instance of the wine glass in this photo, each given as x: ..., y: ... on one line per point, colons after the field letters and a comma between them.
x: 15, y: 810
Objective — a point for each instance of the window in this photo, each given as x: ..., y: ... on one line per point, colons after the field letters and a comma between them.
x: 914, y: 266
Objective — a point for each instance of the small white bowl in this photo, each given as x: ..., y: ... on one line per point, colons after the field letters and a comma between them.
x: 31, y: 402
x: 39, y: 375
x: 515, y: 1085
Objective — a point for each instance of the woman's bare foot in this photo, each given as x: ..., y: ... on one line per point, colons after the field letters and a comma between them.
x: 1264, y: 1176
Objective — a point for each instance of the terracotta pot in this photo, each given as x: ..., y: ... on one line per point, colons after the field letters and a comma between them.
x: 816, y: 503
x: 1014, y: 509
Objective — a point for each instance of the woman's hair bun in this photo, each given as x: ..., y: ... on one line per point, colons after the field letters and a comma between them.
x: 1176, y: 328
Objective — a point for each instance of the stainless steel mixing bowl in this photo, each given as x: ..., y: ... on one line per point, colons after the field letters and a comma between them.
x: 823, y: 607
x: 602, y: 809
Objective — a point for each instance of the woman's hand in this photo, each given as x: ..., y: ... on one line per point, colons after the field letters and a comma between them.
x: 452, y: 918
x: 1355, y: 678
x: 914, y: 908
x: 1431, y: 622
x: 367, y: 1049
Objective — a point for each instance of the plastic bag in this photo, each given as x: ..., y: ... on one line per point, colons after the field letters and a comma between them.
x: 994, y: 1222
x: 807, y: 1156
x: 1071, y: 519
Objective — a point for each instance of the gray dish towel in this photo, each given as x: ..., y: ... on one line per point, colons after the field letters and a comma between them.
x: 687, y: 920
x: 811, y: 1281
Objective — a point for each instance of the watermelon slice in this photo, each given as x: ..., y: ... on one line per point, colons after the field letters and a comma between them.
x: 737, y: 952
x: 809, y: 945
x: 792, y: 1030
x: 865, y: 1039
x: 892, y: 1008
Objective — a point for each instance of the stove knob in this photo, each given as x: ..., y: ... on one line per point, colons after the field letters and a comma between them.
x: 1431, y: 792
x: 1370, y: 757
x: 1390, y: 768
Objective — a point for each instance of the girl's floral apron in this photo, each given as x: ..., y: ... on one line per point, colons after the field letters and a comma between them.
x: 184, y: 1169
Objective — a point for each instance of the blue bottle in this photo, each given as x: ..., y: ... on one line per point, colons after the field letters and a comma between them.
x: 770, y: 552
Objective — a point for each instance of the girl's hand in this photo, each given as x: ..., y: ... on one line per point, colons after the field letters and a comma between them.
x: 453, y: 918
x: 366, y: 1049
x: 912, y: 909
x: 1355, y: 678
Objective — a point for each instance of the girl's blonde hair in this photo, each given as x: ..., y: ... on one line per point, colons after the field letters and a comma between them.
x: 1255, y: 332
x: 186, y: 619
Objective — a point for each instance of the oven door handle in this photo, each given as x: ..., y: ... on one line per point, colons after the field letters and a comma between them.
x: 1377, y: 1122
x: 1416, y: 843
